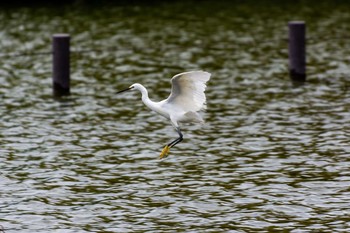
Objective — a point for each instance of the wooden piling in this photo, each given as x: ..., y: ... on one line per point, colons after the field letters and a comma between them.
x: 61, y: 66
x: 297, y: 51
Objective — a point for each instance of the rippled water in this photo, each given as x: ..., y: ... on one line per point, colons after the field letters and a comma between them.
x: 271, y: 157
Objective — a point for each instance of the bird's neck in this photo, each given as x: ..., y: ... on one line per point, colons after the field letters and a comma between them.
x: 146, y: 100
x: 144, y: 93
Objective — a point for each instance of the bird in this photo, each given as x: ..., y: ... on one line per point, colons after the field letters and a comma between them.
x: 186, y: 100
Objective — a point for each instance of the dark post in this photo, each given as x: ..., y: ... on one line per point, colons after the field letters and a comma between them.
x: 296, y: 48
x: 61, y: 70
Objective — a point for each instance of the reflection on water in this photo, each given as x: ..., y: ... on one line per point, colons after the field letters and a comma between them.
x: 270, y: 157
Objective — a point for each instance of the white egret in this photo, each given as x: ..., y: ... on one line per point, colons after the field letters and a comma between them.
x: 186, y: 99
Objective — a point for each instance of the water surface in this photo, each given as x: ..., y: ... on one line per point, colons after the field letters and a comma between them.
x: 271, y: 157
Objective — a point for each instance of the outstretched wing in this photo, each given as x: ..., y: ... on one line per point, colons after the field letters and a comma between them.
x: 187, y: 90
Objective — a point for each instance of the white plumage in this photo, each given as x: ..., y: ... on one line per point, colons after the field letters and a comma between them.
x: 188, y: 90
x: 186, y: 99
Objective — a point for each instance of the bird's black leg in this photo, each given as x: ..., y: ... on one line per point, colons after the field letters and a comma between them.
x: 166, y: 149
x: 177, y: 140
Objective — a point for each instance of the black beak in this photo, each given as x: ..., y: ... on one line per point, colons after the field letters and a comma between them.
x: 127, y: 89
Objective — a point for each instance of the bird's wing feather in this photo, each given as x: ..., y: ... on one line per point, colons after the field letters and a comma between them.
x: 187, y: 90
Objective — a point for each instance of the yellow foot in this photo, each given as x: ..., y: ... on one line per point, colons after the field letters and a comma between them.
x: 164, y: 152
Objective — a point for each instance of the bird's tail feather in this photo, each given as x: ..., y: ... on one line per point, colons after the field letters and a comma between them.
x: 194, y: 117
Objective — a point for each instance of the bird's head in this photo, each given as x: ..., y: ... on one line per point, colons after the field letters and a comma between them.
x: 132, y: 87
x: 127, y: 89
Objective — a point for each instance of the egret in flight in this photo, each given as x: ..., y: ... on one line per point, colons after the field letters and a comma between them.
x: 186, y: 99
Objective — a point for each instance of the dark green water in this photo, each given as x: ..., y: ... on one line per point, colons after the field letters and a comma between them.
x: 271, y: 157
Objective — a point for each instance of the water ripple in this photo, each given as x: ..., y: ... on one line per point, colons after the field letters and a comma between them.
x: 271, y: 157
